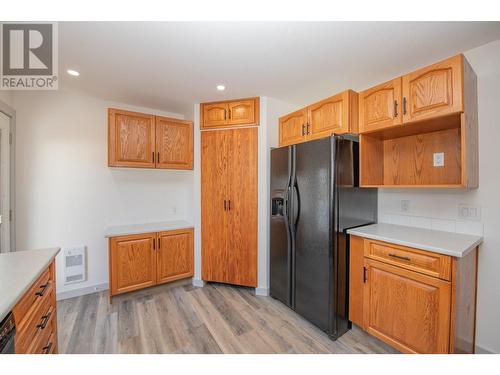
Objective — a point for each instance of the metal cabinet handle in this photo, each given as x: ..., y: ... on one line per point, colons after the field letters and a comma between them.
x: 158, y: 157
x: 159, y: 243
x: 400, y: 257
x: 229, y: 205
x: 46, y: 349
x: 395, y: 108
x: 225, y: 115
x: 225, y: 207
x: 365, y: 270
x: 303, y: 129
x: 43, y: 289
x: 229, y: 113
x: 404, y: 105
x: 153, y: 156
x: 308, y: 125
x: 44, y: 321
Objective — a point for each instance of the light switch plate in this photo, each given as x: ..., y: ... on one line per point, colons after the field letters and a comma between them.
x: 438, y: 158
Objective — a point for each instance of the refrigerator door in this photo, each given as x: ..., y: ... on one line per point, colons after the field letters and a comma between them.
x: 312, y: 196
x: 280, y: 233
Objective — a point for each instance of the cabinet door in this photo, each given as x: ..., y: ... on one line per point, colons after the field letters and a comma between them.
x: 380, y: 106
x: 214, y: 115
x: 329, y: 116
x: 131, y: 139
x: 356, y: 280
x: 243, y: 112
x: 292, y: 128
x: 174, y: 255
x: 214, y: 160
x: 174, y: 143
x: 406, y: 309
x: 132, y: 262
x: 433, y: 91
x: 241, y: 264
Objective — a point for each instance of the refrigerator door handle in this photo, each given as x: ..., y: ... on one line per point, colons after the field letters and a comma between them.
x: 295, y: 206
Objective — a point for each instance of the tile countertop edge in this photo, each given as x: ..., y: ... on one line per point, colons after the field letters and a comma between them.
x: 5, y: 309
x: 130, y: 229
x: 361, y: 232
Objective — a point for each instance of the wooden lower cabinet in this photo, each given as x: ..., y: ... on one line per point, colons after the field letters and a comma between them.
x: 142, y: 260
x: 35, y: 316
x: 175, y: 255
x: 409, y: 306
x: 132, y: 262
x: 406, y: 309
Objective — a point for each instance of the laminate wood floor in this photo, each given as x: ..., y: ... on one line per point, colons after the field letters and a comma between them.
x: 180, y: 318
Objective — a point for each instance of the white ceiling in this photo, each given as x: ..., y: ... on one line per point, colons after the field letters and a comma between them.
x: 170, y: 66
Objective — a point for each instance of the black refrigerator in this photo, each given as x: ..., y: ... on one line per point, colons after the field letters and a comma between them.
x: 315, y: 198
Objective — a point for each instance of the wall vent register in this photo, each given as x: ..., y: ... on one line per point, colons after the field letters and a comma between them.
x: 75, y: 265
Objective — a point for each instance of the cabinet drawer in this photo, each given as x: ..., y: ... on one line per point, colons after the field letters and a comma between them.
x: 37, y: 323
x: 428, y: 263
x: 44, y: 340
x: 32, y: 297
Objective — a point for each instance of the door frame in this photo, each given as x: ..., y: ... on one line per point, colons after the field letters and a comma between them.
x: 11, y: 114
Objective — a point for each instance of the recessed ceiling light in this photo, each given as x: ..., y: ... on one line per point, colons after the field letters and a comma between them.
x: 221, y: 87
x: 72, y: 72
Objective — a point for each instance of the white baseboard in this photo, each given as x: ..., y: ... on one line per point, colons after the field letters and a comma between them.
x: 480, y: 350
x: 262, y: 292
x: 82, y: 291
x: 198, y: 282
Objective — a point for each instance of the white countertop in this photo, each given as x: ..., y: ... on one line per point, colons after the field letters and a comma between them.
x: 448, y: 243
x: 123, y: 230
x: 18, y: 271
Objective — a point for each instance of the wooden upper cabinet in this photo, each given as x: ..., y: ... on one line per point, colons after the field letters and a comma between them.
x: 174, y: 143
x: 292, y: 128
x: 439, y: 112
x: 380, y: 106
x: 435, y: 90
x: 337, y: 114
x: 241, y: 112
x: 175, y: 255
x: 132, y: 262
x: 131, y: 139
x: 406, y: 309
x: 214, y: 115
x: 145, y: 141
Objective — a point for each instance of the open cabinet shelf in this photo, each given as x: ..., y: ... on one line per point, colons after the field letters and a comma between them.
x: 403, y: 156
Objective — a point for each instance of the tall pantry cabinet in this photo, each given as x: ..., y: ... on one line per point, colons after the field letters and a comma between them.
x: 229, y: 204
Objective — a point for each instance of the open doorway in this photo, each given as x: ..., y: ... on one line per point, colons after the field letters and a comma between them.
x: 5, y: 182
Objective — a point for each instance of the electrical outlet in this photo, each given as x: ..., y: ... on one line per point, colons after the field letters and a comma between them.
x: 438, y: 159
x: 468, y: 212
x: 405, y: 205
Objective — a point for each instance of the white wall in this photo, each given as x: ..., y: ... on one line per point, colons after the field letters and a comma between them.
x: 439, y: 209
x: 6, y: 97
x: 197, y: 197
x: 65, y: 193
